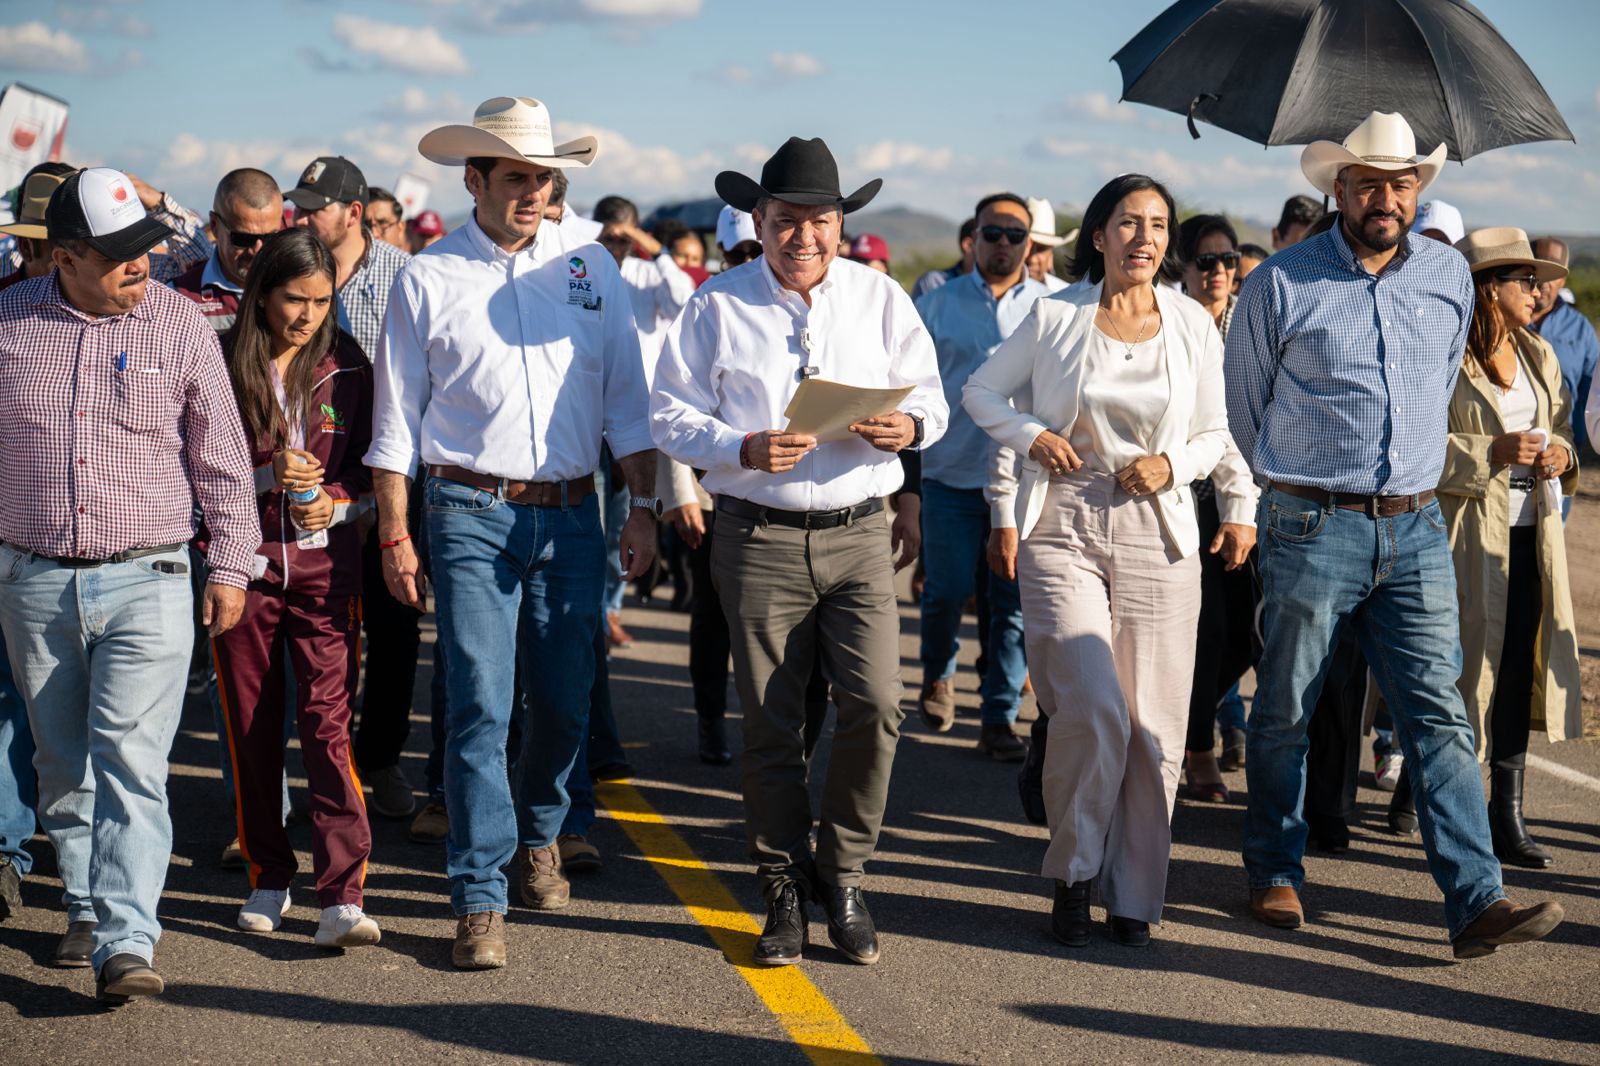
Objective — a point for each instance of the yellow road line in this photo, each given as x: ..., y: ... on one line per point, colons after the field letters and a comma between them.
x: 813, y: 1022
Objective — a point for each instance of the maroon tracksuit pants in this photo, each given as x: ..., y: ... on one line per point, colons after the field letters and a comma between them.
x: 318, y: 634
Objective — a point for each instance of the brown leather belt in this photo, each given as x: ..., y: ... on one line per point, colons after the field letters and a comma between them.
x: 531, y: 493
x: 1371, y: 506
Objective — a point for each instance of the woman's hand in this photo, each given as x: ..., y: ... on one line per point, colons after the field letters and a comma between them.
x: 1551, y: 463
x: 1516, y: 449
x: 314, y: 515
x: 296, y: 476
x: 1233, y: 542
x: 1145, y: 475
x: 1054, y: 453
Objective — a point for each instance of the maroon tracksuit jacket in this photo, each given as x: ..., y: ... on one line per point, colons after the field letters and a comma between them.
x: 304, y: 605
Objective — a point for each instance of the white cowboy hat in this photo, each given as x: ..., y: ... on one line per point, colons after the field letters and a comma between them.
x: 1043, y: 227
x: 506, y: 127
x: 1382, y: 141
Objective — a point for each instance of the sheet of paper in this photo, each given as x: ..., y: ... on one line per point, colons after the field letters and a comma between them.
x: 826, y: 409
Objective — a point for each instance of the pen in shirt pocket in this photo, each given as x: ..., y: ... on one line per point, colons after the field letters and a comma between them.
x: 122, y: 361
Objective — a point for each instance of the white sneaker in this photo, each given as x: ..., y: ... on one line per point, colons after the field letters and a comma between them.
x: 345, y: 926
x: 1386, y: 771
x: 263, y: 912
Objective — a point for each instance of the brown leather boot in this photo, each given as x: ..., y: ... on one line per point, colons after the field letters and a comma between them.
x: 938, y: 705
x: 1277, y: 906
x: 544, y: 887
x: 1506, y: 923
x: 480, y: 942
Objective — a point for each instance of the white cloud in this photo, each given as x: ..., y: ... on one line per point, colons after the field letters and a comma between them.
x: 1095, y: 106
x: 645, y: 173
x: 103, y: 18
x: 792, y: 66
x: 899, y: 155
x: 779, y: 68
x: 35, y: 46
x: 412, y: 49
x: 414, y: 101
x: 526, y: 16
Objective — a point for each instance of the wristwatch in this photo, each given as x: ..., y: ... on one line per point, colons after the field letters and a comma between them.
x: 649, y: 503
x: 916, y: 432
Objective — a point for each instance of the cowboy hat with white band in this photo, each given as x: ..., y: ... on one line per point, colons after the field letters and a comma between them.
x: 1383, y: 141
x: 506, y: 127
x: 1506, y: 246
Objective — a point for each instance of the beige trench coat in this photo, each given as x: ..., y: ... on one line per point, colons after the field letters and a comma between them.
x: 1474, y: 494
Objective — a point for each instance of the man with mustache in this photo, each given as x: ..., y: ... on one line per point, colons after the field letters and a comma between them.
x: 120, y: 417
x: 1341, y: 360
x: 802, y: 555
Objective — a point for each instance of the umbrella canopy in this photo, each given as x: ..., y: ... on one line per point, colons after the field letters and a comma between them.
x: 1297, y: 71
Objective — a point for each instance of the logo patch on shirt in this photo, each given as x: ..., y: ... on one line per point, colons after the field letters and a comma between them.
x: 577, y: 268
x: 332, y: 421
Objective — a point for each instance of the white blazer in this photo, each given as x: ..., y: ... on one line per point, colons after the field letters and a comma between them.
x: 1032, y: 383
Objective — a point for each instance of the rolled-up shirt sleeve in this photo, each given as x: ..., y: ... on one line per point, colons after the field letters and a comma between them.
x: 218, y: 461
x: 627, y: 393
x: 401, y: 386
x: 684, y: 394
x: 188, y: 244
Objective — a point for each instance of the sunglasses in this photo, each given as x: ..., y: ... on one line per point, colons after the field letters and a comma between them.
x: 1528, y: 282
x: 239, y: 238
x: 1012, y: 234
x: 1207, y: 261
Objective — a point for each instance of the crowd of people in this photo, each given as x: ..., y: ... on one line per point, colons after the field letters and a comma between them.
x: 1344, y: 463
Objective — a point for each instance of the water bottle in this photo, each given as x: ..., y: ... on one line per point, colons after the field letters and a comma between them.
x: 305, y: 538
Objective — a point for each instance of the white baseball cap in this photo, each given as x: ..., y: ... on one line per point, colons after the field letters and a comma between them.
x: 1436, y: 214
x: 100, y: 207
x: 733, y: 226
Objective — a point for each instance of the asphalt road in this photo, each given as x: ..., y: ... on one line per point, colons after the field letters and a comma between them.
x: 969, y: 974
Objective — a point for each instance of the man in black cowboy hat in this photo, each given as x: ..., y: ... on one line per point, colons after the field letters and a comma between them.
x: 801, y: 557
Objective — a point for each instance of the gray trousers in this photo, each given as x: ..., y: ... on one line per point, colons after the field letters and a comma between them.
x: 792, y: 596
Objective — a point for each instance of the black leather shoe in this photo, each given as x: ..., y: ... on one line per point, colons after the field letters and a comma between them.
x: 10, y: 889
x: 1129, y: 932
x: 76, y: 949
x: 1069, y: 921
x: 714, y: 743
x: 1402, y: 807
x: 850, y: 926
x: 1328, y: 834
x: 1508, y: 832
x: 1030, y: 779
x: 125, y: 976
x: 783, y: 941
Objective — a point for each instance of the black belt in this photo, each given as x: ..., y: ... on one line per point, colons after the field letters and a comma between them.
x: 799, y: 519
x: 83, y: 564
x: 1523, y: 484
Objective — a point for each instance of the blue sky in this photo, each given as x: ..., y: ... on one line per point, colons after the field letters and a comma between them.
x: 945, y: 100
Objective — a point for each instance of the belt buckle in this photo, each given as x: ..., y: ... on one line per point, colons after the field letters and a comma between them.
x: 1373, y: 503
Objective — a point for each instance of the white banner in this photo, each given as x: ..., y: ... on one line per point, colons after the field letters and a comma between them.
x: 32, y: 127
x: 412, y: 192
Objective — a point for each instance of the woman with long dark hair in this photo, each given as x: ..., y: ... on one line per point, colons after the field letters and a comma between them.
x: 1113, y: 394
x: 304, y: 391
x: 1510, y: 451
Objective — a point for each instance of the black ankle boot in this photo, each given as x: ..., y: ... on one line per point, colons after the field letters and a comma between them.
x: 1507, y: 830
x: 1069, y: 921
x: 714, y: 742
x: 1030, y: 779
x: 1402, y: 807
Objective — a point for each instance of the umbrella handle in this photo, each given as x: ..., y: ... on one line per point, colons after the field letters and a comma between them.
x: 1194, y: 105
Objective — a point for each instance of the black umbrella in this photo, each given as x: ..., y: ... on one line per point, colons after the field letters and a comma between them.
x: 1297, y: 71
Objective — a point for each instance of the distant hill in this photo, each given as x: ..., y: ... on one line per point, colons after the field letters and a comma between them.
x: 909, y: 232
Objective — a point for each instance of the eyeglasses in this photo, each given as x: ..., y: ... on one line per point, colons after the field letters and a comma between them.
x: 382, y: 223
x: 1205, y: 262
x: 1528, y: 282
x: 1012, y: 234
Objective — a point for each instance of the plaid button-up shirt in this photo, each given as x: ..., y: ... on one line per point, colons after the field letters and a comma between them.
x: 111, y: 428
x: 365, y: 295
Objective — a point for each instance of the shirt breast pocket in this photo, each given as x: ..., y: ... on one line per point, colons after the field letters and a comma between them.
x: 141, y: 395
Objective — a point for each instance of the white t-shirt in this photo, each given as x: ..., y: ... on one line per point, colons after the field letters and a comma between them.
x: 1518, y: 409
x: 1121, y: 401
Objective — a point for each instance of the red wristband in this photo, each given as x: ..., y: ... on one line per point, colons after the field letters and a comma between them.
x: 744, y: 452
x: 385, y: 545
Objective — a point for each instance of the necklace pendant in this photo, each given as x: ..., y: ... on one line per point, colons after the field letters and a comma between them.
x: 1129, y: 357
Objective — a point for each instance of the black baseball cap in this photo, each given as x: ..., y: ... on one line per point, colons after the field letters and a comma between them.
x: 330, y: 179
x: 100, y: 207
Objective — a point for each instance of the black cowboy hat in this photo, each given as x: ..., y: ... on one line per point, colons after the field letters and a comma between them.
x: 801, y: 172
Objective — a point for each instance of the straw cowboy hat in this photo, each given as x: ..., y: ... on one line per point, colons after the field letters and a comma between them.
x: 1382, y: 141
x: 800, y: 172
x: 507, y: 127
x: 1506, y: 246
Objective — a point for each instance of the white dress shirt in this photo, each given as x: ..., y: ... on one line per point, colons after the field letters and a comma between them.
x: 659, y: 288
x: 508, y: 365
x: 729, y: 368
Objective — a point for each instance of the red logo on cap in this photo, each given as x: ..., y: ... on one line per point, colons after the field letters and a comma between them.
x: 118, y: 193
x: 23, y: 135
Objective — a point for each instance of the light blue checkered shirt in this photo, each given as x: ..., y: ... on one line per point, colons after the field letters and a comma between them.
x: 1341, y: 380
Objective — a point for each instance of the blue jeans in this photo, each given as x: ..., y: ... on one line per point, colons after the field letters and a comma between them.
x: 511, y: 582
x: 19, y: 792
x: 101, y: 657
x: 955, y: 531
x: 1323, y: 568
x: 614, y: 515
x: 1230, y: 709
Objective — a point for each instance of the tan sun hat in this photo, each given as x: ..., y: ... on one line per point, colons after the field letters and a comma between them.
x: 507, y: 127
x: 1506, y: 246
x: 36, y: 193
x: 1383, y: 141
